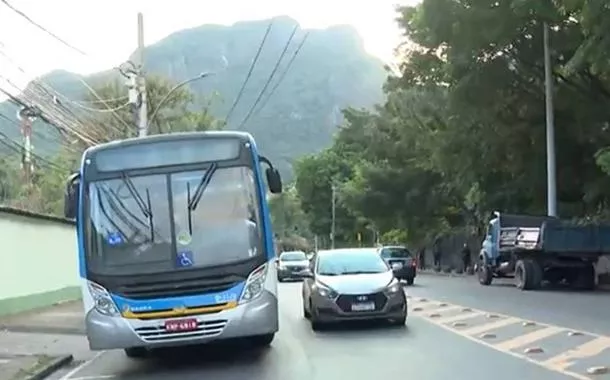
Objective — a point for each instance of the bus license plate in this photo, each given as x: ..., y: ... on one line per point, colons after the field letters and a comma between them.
x: 178, y: 325
x: 367, y: 306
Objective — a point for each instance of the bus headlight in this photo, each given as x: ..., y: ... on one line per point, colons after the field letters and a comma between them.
x: 102, y: 301
x: 255, y: 284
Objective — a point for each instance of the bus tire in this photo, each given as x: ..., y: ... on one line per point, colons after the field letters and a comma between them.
x: 136, y: 352
x: 263, y: 340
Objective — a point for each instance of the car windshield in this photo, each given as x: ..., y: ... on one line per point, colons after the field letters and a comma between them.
x: 343, y: 263
x: 293, y: 256
x: 223, y: 228
x: 395, y: 253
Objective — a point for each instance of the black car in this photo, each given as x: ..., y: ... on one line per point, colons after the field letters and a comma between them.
x: 292, y: 265
x: 402, y: 262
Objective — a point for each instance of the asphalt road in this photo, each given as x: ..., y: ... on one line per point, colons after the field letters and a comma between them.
x: 455, y: 331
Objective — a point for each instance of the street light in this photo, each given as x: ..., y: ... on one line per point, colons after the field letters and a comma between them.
x: 173, y: 89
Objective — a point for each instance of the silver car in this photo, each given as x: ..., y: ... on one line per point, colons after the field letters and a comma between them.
x: 292, y: 265
x: 352, y: 284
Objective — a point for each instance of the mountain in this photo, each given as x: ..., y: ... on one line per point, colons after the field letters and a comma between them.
x: 331, y: 72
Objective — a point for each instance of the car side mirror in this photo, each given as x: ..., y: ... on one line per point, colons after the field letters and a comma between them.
x: 71, y: 196
x: 307, y: 273
x: 274, y: 180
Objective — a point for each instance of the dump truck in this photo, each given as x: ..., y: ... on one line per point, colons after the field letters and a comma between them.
x: 535, y: 250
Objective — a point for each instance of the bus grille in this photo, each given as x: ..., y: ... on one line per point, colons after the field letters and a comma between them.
x: 159, y: 334
x: 178, y: 288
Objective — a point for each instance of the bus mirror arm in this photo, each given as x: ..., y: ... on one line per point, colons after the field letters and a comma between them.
x: 71, y: 196
x: 274, y: 180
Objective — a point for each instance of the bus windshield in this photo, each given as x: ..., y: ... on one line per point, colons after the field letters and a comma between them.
x: 134, y: 229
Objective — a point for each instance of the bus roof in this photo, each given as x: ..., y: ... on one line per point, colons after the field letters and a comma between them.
x: 243, y: 136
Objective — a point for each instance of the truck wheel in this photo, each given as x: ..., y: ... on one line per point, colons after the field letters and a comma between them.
x: 528, y: 274
x: 586, y: 278
x: 485, y: 274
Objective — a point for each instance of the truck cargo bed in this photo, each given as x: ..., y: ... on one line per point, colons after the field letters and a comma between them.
x: 551, y: 235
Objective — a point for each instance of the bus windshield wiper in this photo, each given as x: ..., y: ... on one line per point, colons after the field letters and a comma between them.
x: 194, y: 200
x: 145, y: 207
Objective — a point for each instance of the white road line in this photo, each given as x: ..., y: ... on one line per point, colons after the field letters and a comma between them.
x: 534, y: 336
x: 68, y: 376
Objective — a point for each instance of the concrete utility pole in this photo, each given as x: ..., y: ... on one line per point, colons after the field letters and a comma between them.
x: 332, y: 224
x: 27, y: 116
x: 550, y: 128
x: 141, y: 82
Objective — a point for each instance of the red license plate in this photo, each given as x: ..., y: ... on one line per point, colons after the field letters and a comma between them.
x: 181, y: 325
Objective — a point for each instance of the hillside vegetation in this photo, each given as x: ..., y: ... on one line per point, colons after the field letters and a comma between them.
x: 331, y: 72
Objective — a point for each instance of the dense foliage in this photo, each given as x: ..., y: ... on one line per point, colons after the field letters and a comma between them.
x: 462, y: 131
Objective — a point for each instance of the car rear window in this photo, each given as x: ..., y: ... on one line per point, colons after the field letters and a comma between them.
x: 395, y: 253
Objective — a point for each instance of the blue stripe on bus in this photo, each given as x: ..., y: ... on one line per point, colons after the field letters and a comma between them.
x: 82, y: 268
x: 262, y: 194
x: 169, y: 303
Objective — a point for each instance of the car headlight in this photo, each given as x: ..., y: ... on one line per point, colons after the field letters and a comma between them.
x: 324, y: 291
x: 394, y: 288
x: 255, y: 284
x: 102, y: 301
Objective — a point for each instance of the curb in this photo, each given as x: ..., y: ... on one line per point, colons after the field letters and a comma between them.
x: 14, y: 328
x: 603, y: 286
x: 50, y: 367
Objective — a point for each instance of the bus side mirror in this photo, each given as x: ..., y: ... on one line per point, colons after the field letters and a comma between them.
x: 71, y: 197
x: 274, y: 180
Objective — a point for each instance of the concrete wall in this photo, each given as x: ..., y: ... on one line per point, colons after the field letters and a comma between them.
x: 38, y: 261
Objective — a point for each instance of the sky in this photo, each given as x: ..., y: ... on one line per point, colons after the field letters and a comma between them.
x: 106, y: 31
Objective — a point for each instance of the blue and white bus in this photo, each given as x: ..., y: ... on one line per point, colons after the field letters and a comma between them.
x: 175, y: 242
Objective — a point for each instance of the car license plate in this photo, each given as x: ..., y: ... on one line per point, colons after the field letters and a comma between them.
x: 396, y: 265
x: 366, y: 306
x: 179, y: 325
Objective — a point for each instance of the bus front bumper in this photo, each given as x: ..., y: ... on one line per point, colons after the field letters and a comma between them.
x: 258, y: 317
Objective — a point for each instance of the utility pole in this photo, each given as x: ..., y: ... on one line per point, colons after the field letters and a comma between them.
x: 550, y: 128
x: 332, y: 224
x: 26, y: 115
x: 142, y: 106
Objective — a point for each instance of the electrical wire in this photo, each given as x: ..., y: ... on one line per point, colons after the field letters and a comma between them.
x: 252, y: 65
x: 27, y: 18
x: 277, y: 65
x: 283, y: 75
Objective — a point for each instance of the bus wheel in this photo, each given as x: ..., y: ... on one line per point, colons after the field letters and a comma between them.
x: 263, y: 340
x: 136, y: 352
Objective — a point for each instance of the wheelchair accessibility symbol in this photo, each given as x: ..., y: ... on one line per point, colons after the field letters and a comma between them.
x: 185, y: 259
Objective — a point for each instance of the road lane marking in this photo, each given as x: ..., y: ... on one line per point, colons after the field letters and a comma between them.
x: 459, y: 317
x: 476, y: 330
x: 586, y: 350
x: 524, y: 340
x: 80, y: 367
x: 560, y: 363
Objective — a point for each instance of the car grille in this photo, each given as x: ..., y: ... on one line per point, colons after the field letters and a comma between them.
x: 295, y: 269
x: 345, y: 301
x: 159, y: 334
x: 178, y: 287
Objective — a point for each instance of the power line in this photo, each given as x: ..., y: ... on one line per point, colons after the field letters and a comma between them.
x: 243, y: 86
x: 283, y: 75
x: 25, y: 16
x: 277, y: 65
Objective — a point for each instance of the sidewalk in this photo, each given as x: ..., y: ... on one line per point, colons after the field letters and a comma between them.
x: 601, y: 286
x: 36, y: 343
